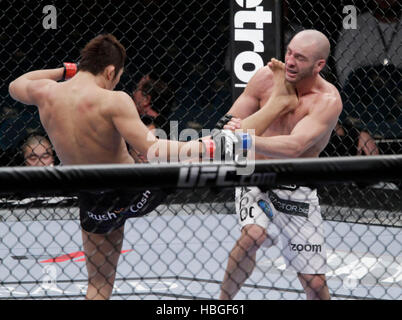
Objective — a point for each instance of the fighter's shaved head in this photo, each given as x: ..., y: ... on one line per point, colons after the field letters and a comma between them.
x: 316, y: 41
x: 306, y: 55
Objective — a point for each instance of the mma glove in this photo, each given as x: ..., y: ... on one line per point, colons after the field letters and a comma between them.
x: 70, y: 69
x: 226, y: 145
x: 223, y: 121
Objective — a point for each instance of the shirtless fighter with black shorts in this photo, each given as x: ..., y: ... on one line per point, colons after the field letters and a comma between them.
x: 89, y: 123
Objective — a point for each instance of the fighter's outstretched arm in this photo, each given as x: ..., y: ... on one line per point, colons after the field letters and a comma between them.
x: 221, y: 144
x: 128, y: 122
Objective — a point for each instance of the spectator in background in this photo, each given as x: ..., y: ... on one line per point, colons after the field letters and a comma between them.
x: 377, y: 40
x: 142, y: 97
x: 38, y: 151
x: 349, y: 139
x: 369, y: 69
x: 14, y: 125
x: 373, y: 94
x: 201, y: 100
x: 152, y: 97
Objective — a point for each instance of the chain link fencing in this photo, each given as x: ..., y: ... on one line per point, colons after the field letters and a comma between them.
x: 178, y: 55
x: 365, y: 65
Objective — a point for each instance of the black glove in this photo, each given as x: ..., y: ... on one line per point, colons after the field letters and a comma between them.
x: 223, y: 121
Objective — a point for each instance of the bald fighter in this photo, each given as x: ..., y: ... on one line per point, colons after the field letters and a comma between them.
x: 304, y: 131
x: 89, y: 123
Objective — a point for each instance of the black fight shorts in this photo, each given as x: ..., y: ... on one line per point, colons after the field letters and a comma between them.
x: 103, y: 212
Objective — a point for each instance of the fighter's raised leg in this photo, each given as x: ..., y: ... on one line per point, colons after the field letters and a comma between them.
x: 283, y: 100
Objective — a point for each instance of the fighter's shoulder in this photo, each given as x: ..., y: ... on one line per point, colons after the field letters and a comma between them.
x: 262, y: 80
x: 117, y: 101
x: 328, y: 93
x: 326, y: 104
x: 264, y: 73
x: 122, y: 97
x: 332, y: 96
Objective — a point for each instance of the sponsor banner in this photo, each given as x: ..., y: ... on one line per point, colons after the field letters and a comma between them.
x: 255, y: 39
x: 288, y: 206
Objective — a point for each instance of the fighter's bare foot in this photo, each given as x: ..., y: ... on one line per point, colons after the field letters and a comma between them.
x: 283, y: 91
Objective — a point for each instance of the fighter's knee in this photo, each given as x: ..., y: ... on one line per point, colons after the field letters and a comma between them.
x: 318, y: 283
x: 253, y: 236
x: 314, y: 283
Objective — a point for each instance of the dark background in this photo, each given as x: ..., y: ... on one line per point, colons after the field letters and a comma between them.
x: 184, y: 42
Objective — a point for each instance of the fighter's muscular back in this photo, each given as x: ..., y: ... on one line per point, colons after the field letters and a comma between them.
x: 76, y: 116
x: 324, y: 98
x: 85, y: 122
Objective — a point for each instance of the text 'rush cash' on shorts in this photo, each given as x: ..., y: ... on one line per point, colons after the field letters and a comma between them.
x: 295, y: 211
x: 102, y: 212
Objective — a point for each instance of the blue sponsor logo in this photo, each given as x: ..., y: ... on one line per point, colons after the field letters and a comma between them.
x: 266, y: 208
